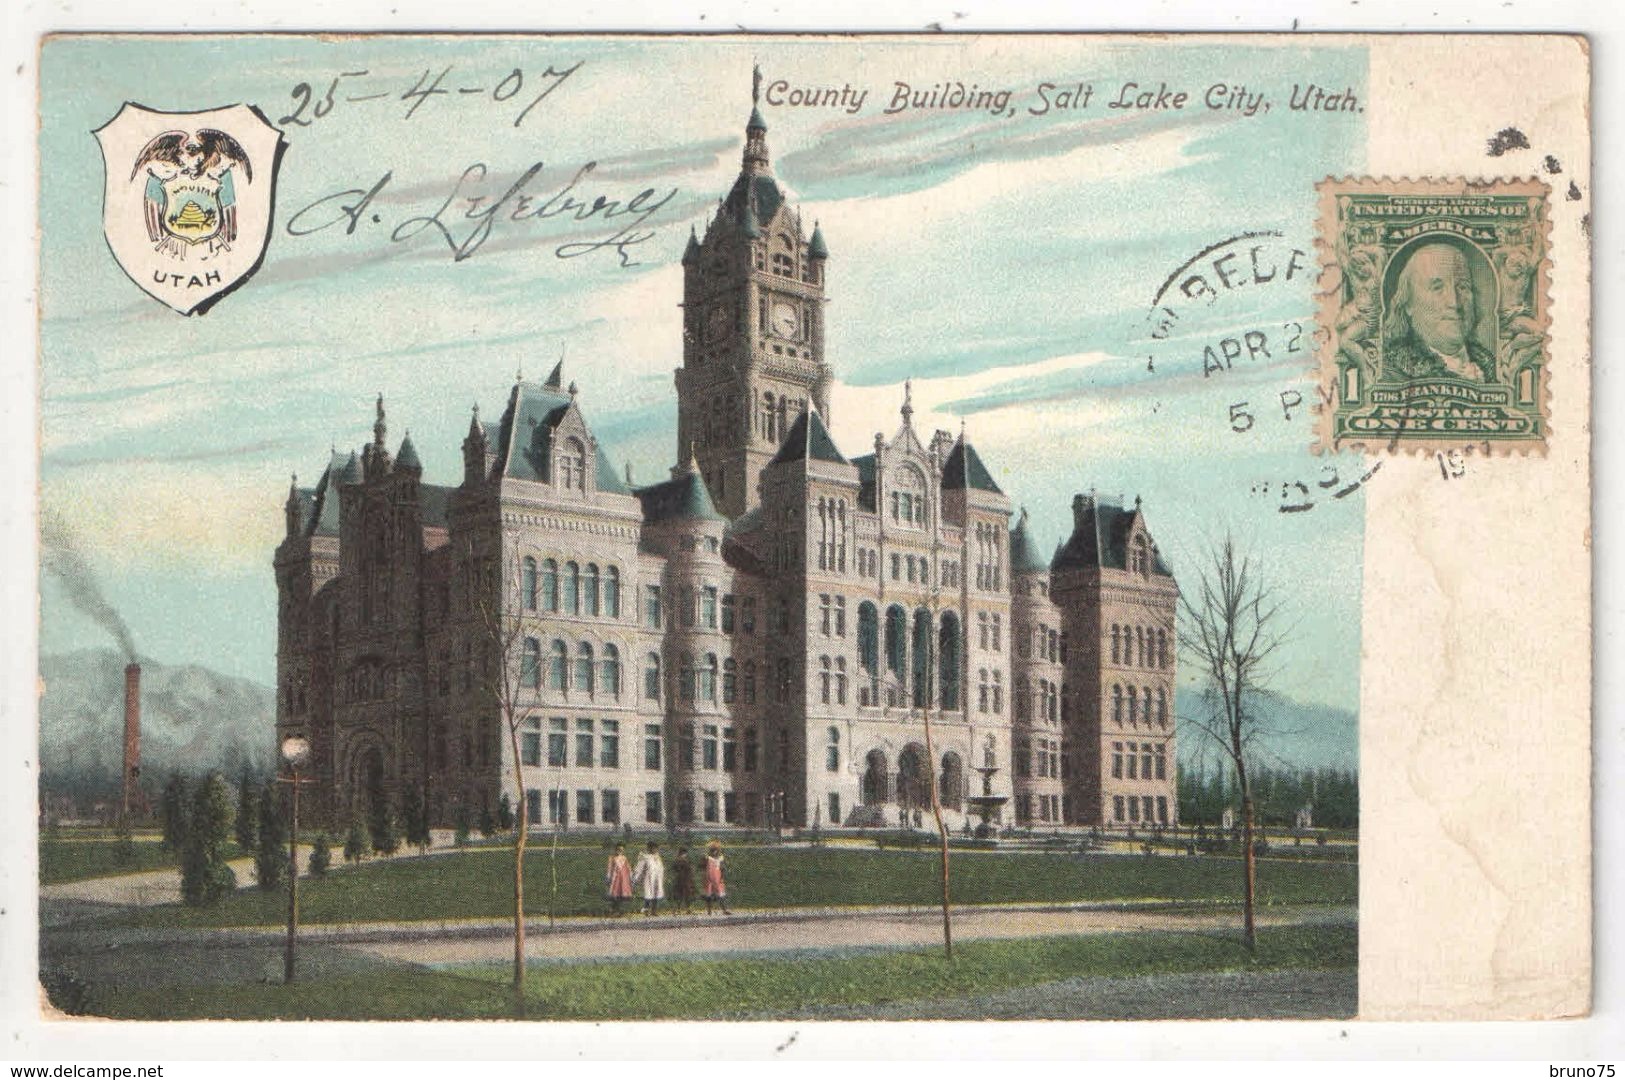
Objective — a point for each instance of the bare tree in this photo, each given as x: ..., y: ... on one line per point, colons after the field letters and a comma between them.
x: 1231, y: 629
x: 927, y: 696
x: 498, y: 608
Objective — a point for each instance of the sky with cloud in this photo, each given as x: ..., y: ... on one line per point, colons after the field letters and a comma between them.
x: 1003, y: 263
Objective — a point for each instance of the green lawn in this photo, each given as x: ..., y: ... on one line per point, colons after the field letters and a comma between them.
x: 75, y: 859
x: 716, y: 988
x: 478, y: 884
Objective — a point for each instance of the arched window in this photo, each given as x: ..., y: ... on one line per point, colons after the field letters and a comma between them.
x: 1133, y: 707
x: 832, y: 750
x: 981, y: 630
x: 868, y: 638
x: 948, y: 662
x: 651, y: 677
x: 572, y: 588
x: 730, y: 680
x: 1162, y: 648
x: 530, y: 668
x: 589, y: 589
x: 557, y: 658
x: 582, y: 682
x: 685, y: 677
x: 527, y: 583
x: 998, y: 692
x: 896, y: 647
x: 825, y: 680
x: 1117, y: 705
x: 610, y: 671
x: 982, y: 690
x: 1116, y: 636
x: 922, y: 658
x: 1162, y: 708
x: 550, y: 585
x: 769, y: 419
x: 612, y: 592
x: 840, y: 680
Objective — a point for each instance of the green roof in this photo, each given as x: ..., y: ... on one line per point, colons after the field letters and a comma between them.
x: 866, y: 481
x: 754, y: 200
x: 808, y: 440
x: 683, y: 498
x: 535, y: 412
x: 755, y: 120
x: 408, y: 457
x: 1100, y: 539
x: 1024, y: 554
x: 816, y: 248
x: 964, y: 469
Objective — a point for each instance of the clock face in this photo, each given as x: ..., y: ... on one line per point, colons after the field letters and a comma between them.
x: 785, y: 319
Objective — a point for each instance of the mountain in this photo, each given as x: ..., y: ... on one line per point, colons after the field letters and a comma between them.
x: 192, y: 720
x: 1293, y: 734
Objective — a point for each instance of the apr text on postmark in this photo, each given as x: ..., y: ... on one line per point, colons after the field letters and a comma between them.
x: 1434, y: 296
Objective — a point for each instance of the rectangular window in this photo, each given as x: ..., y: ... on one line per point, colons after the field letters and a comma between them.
x: 1162, y: 809
x: 710, y: 806
x: 1145, y: 762
x: 651, y: 746
x: 651, y: 806
x: 730, y: 807
x: 533, y: 806
x: 685, y: 807
x: 708, y: 607
x: 530, y: 748
x: 584, y: 744
x: 896, y: 566
x: 730, y: 757
x: 1133, y: 773
x: 651, y: 606
x: 825, y: 614
x: 611, y: 806
x: 1162, y: 764
x: 557, y: 741
x: 557, y: 804
x: 609, y: 744
x: 708, y: 748
x: 1133, y: 808
x: 840, y: 616
x: 584, y: 805
x: 834, y: 808
x: 685, y: 746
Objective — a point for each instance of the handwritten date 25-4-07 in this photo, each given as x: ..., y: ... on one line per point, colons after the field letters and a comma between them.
x: 314, y: 101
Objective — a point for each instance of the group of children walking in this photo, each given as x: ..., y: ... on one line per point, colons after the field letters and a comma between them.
x: 649, y: 879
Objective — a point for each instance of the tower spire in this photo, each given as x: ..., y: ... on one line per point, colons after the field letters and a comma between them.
x: 378, y: 428
x: 756, y: 157
x: 908, y: 403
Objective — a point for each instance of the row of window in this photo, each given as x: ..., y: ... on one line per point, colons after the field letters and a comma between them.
x: 990, y: 539
x: 588, y: 806
x: 1049, y: 808
x: 1140, y: 706
x: 1145, y: 761
x: 1139, y: 646
x: 1045, y: 642
x: 573, y: 591
x: 1142, y: 809
x: 581, y: 675
x: 831, y: 534
x: 1042, y: 758
x: 1041, y: 702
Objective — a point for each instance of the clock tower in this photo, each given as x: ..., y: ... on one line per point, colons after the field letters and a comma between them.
x: 753, y: 330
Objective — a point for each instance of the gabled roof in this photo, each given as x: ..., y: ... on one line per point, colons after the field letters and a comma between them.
x: 683, y: 498
x: 525, y: 437
x: 808, y: 440
x: 1100, y: 539
x: 964, y: 469
x: 1024, y: 554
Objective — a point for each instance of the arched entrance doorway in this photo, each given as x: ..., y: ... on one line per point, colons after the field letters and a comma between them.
x: 367, y: 789
x: 874, y: 778
x: 951, y: 784
x: 912, y: 778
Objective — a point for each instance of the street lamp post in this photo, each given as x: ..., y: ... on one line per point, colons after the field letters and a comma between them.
x: 295, y: 749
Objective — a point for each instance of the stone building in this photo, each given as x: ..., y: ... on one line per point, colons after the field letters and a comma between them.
x: 756, y: 640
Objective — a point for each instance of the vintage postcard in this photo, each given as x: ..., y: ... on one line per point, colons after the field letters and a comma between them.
x: 785, y: 527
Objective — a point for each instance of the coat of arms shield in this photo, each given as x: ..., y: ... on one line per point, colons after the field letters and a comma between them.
x: 187, y: 206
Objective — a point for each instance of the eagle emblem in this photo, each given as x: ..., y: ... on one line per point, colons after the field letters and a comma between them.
x: 187, y: 211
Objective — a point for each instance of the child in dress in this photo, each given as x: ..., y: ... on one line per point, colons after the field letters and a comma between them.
x: 618, y: 879
x: 650, y: 875
x: 716, y: 890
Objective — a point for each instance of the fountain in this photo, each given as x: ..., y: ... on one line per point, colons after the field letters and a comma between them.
x: 986, y: 803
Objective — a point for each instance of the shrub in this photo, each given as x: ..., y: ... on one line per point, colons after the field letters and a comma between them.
x: 505, y: 818
x: 355, y: 842
x: 462, y: 826
x: 174, y: 811
x: 386, y: 837
x: 321, y: 856
x: 205, y: 877
x: 488, y: 824
x: 417, y: 821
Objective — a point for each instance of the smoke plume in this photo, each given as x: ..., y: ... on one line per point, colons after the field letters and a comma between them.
x: 60, y: 556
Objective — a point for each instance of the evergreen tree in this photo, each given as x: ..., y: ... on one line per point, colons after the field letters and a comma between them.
x: 416, y: 821
x: 505, y: 817
x: 462, y: 826
x: 386, y: 837
x: 355, y: 842
x: 271, y: 856
x: 248, y: 812
x: 174, y: 811
x: 321, y: 856
x: 488, y: 824
x: 205, y: 877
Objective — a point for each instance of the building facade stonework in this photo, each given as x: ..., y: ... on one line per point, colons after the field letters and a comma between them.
x: 756, y: 640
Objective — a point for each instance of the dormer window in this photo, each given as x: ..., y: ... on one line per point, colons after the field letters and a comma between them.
x: 783, y: 265
x: 571, y: 465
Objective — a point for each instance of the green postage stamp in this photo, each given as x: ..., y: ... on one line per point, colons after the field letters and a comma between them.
x: 1434, y: 303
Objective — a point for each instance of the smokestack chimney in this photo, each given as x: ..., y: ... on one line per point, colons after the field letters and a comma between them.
x: 132, y: 738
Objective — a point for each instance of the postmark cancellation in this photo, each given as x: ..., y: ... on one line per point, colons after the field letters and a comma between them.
x: 1433, y: 305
